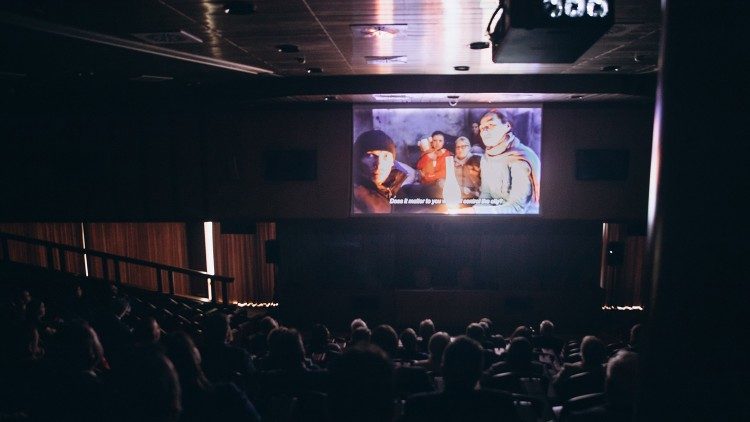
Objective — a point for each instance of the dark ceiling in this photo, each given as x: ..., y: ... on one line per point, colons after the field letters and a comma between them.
x: 52, y: 42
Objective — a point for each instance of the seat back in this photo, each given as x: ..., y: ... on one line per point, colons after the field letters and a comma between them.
x: 585, y: 383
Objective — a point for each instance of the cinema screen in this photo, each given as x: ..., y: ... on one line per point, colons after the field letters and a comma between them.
x: 470, y: 160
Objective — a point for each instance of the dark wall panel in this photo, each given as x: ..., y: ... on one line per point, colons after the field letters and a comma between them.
x: 191, y: 164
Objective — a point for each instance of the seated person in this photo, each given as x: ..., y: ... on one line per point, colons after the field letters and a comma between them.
x: 321, y: 349
x: 461, y: 400
x: 546, y: 338
x: 519, y: 359
x: 620, y: 392
x: 593, y: 356
x: 426, y: 330
x: 408, y: 351
x: 476, y: 332
x: 438, y: 342
x: 223, y: 362
x: 361, y: 386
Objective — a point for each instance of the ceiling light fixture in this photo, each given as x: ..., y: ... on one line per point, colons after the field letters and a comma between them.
x: 239, y: 8
x: 311, y: 70
x: 385, y: 59
x: 287, y: 48
x: 611, y: 68
x: 461, y: 68
x: 394, y: 98
x: 330, y: 98
x: 379, y: 30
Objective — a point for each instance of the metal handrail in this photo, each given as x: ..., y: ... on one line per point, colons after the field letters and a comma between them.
x: 50, y: 248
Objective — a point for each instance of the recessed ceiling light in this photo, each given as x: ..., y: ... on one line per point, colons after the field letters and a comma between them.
x: 330, y: 98
x: 576, y: 97
x: 314, y: 70
x: 287, y: 48
x: 461, y: 68
x: 395, y: 98
x: 239, y: 8
x: 300, y: 60
x: 379, y: 30
x: 611, y: 68
x: 385, y: 59
x: 479, y: 45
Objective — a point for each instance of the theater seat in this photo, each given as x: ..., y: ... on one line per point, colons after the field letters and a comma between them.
x: 506, y: 381
x: 580, y: 403
x: 584, y: 383
x: 412, y: 380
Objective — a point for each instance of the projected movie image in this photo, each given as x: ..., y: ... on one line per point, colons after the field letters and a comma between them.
x: 446, y: 160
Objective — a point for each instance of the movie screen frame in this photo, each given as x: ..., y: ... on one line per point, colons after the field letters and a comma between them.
x: 397, y: 152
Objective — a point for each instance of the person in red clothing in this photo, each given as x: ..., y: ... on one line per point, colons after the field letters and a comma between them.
x: 432, y: 166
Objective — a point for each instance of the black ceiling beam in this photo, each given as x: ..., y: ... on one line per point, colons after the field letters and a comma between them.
x: 259, y: 87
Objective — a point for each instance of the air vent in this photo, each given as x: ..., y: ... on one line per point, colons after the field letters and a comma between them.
x: 379, y: 30
x: 392, y: 98
x: 160, y: 38
x: 385, y: 59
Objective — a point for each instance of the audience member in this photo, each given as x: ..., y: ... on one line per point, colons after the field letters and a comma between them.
x: 385, y: 337
x: 146, y: 332
x: 636, y: 339
x: 426, y: 330
x: 360, y: 336
x: 73, y: 387
x: 361, y: 386
x: 321, y: 348
x: 461, y: 401
x: 477, y: 333
x: 620, y: 392
x: 409, y: 351
x: 522, y: 331
x: 438, y: 342
x: 593, y: 356
x: 116, y: 336
x: 497, y: 339
x: 547, y: 339
x: 201, y: 399
x: 223, y: 362
x: 149, y: 389
x: 258, y: 342
x: 519, y: 359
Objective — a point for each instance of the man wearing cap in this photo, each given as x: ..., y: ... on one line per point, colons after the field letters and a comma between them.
x: 466, y: 166
x: 510, y: 169
x: 377, y: 175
